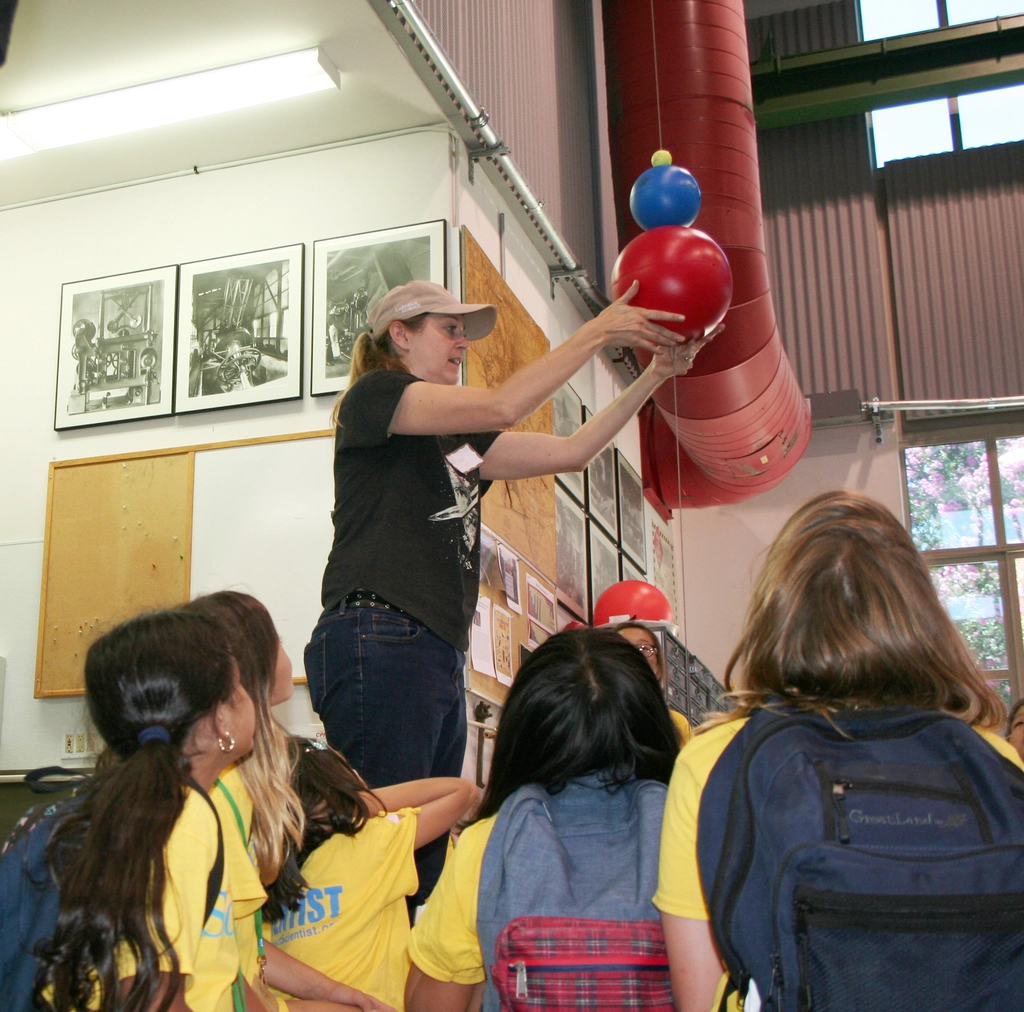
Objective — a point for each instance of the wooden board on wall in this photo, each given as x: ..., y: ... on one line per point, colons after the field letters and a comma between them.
x: 118, y: 542
x: 521, y: 513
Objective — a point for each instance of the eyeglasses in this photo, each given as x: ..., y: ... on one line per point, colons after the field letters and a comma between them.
x: 647, y: 649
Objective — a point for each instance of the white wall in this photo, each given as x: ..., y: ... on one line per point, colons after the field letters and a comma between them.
x: 340, y: 191
x: 723, y: 547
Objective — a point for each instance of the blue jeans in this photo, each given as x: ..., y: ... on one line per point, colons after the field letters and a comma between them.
x: 390, y: 694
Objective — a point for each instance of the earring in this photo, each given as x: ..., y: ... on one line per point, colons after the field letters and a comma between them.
x: 231, y: 747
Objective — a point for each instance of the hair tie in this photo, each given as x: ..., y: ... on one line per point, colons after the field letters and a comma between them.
x: 155, y: 732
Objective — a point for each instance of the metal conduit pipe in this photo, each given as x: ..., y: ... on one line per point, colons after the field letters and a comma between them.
x: 735, y: 425
x: 404, y: 20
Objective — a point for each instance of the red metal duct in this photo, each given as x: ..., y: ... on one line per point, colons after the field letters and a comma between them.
x: 737, y: 423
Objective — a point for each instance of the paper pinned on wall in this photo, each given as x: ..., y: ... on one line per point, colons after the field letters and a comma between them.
x: 501, y: 629
x: 490, y: 572
x: 480, y: 638
x: 540, y: 605
x: 508, y: 563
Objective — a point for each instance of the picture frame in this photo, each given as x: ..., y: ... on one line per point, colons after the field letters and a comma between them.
x: 239, y: 334
x: 629, y: 570
x: 604, y: 562
x: 601, y: 500
x: 632, y: 535
x: 570, y: 553
x: 566, y: 418
x: 115, y: 349
x: 350, y: 274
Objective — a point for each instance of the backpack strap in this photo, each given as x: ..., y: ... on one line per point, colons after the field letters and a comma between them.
x: 216, y: 879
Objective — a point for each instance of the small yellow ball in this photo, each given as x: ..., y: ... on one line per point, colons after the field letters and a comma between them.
x: 661, y: 157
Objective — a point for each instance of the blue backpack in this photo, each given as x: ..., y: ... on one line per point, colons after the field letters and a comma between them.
x: 30, y: 900
x: 874, y: 862
x: 564, y: 911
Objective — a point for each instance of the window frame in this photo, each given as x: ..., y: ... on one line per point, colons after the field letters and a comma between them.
x: 1004, y: 554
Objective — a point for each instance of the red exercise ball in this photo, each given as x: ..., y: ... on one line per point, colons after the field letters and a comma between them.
x: 632, y: 599
x: 680, y: 270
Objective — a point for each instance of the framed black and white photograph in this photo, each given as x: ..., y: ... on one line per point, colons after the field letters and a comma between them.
x: 601, y: 489
x: 239, y: 335
x: 630, y: 571
x: 350, y: 274
x: 570, y: 552
x: 604, y: 563
x: 566, y: 418
x: 115, y: 353
x: 632, y: 535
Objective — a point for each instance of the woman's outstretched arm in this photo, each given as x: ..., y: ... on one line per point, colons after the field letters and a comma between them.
x: 429, y: 409
x: 442, y: 801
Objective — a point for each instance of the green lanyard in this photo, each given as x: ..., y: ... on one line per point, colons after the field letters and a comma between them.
x: 238, y: 988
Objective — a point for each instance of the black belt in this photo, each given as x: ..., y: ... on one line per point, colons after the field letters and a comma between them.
x: 368, y: 599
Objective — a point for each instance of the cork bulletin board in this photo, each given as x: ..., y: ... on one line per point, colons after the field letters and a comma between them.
x: 520, y: 513
x: 118, y: 536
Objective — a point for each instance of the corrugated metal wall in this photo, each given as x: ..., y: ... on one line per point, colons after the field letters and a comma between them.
x: 529, y: 64
x: 802, y: 31
x: 824, y: 256
x: 821, y: 228
x: 956, y: 224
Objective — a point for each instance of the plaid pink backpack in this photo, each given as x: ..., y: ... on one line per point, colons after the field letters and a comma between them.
x: 564, y: 911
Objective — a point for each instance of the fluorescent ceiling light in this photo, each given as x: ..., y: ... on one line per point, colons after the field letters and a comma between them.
x: 11, y: 146
x: 172, y: 101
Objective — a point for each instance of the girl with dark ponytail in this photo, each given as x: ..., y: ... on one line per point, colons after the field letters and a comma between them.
x: 133, y: 859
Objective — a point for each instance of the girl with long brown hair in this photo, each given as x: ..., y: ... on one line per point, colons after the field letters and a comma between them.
x: 843, y: 616
x: 260, y: 812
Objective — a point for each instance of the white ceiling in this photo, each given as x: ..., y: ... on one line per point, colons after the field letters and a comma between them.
x: 64, y: 49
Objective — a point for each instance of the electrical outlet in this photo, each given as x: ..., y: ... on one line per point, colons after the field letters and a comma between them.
x: 77, y: 745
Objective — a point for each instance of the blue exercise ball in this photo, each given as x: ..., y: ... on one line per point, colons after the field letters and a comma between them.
x: 665, y: 195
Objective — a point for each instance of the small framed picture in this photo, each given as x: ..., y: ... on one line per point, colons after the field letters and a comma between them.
x: 604, y: 562
x: 632, y: 535
x: 566, y: 418
x: 630, y: 571
x: 570, y: 552
x: 239, y: 335
x: 601, y: 490
x: 350, y: 274
x: 115, y: 353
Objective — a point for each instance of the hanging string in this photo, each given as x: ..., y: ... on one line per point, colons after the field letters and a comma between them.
x: 657, y: 89
x: 679, y: 490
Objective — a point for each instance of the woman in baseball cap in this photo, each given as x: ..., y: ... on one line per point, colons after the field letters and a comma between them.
x: 414, y: 453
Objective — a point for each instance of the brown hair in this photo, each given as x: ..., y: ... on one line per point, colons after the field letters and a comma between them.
x: 844, y: 613
x: 266, y: 771
x: 369, y: 353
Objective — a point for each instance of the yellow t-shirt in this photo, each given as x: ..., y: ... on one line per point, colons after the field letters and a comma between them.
x: 240, y: 862
x: 682, y: 726
x: 353, y: 922
x: 679, y: 887
x: 207, y: 954
x: 444, y: 944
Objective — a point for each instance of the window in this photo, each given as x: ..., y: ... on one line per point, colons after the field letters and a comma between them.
x: 966, y: 504
x: 881, y: 19
x: 907, y: 131
x: 961, y: 12
x: 992, y: 117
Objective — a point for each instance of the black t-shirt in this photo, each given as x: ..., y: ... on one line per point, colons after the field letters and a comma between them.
x: 406, y: 522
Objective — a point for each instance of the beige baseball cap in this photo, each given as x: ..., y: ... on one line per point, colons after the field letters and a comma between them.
x: 415, y: 297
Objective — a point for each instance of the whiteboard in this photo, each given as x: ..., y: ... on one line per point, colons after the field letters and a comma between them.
x: 261, y: 524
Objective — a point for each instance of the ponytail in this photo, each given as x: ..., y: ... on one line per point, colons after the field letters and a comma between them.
x: 147, y: 683
x: 369, y: 353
